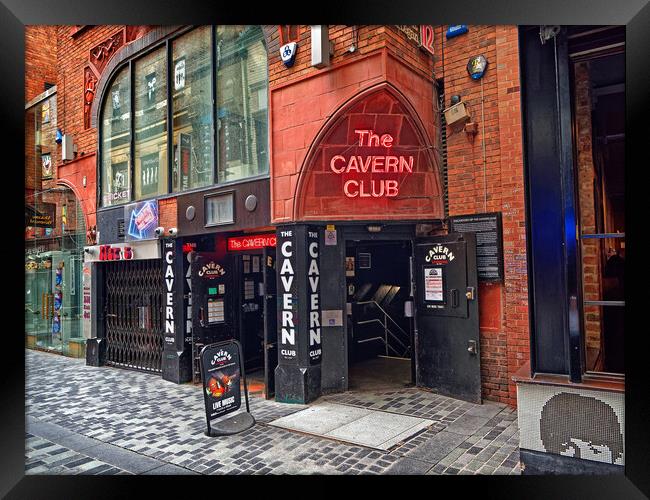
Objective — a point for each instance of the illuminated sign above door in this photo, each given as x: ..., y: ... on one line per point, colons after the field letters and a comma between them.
x: 365, y: 186
x: 254, y: 242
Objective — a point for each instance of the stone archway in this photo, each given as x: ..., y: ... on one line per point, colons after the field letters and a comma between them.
x: 371, y: 160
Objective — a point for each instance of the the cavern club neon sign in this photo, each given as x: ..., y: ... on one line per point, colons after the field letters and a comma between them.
x: 251, y: 242
x: 372, y: 164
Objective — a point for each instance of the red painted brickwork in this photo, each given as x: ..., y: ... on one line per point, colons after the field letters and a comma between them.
x: 395, y: 182
x: 303, y: 98
x: 491, y: 183
x: 591, y: 265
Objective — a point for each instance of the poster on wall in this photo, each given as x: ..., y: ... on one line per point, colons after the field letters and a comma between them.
x: 433, y: 284
x: 179, y: 74
x: 149, y: 167
x: 150, y: 88
x: 185, y: 158
x: 45, y: 112
x: 46, y: 165
x: 142, y: 220
x: 119, y: 189
x: 116, y: 99
x: 489, y: 242
x: 349, y: 266
x: 87, y: 300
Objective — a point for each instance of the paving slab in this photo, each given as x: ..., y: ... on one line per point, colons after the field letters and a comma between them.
x: 409, y: 466
x: 321, y: 419
x: 370, y: 428
x: 437, y: 447
x: 124, y: 459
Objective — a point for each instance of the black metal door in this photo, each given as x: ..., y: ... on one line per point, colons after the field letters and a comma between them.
x: 270, y: 322
x: 134, y: 314
x: 212, y: 298
x: 447, y: 326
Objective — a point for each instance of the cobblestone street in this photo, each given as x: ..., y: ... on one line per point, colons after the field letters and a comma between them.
x: 113, y: 421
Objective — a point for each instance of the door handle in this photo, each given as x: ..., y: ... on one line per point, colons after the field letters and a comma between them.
x: 454, y: 297
x: 201, y: 317
x: 471, y: 347
x: 470, y: 293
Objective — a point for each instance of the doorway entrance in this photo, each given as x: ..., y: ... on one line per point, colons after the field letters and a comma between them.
x: 257, y: 317
x: 380, y: 335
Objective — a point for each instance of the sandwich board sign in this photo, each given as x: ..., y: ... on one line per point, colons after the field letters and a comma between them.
x: 221, y: 372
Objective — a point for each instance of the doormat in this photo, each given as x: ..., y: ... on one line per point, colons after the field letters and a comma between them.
x: 370, y: 428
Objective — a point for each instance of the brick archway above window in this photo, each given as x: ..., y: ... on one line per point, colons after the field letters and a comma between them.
x: 371, y: 161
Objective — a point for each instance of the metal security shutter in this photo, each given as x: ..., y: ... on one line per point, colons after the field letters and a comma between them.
x: 134, y: 314
x: 443, y: 145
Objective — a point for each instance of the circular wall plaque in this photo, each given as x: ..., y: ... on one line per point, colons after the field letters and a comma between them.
x: 190, y: 213
x: 251, y: 202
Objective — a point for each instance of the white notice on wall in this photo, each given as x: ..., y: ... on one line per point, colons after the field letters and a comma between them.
x: 256, y: 264
x: 333, y: 317
x: 433, y: 285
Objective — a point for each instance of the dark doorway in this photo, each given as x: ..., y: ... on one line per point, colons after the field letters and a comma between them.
x: 378, y: 285
x: 251, y: 309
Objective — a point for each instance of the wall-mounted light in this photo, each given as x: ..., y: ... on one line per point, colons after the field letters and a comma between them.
x: 374, y: 228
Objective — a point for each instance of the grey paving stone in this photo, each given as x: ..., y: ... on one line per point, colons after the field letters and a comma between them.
x: 161, y: 424
x: 437, y: 447
x: 123, y: 459
x: 405, y: 465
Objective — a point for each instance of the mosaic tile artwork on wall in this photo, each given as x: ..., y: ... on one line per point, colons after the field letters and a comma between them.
x: 584, y: 424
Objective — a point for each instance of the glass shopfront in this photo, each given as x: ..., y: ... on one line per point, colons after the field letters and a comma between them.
x: 53, y: 282
x: 55, y: 232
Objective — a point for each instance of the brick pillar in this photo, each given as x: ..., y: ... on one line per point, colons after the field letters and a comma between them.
x: 590, y: 247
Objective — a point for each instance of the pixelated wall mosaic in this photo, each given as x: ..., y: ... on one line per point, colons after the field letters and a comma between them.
x: 577, y: 423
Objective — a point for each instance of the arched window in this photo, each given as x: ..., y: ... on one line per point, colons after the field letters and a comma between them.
x: 203, y: 145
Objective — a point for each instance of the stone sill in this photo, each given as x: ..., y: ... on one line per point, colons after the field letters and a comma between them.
x: 590, y: 381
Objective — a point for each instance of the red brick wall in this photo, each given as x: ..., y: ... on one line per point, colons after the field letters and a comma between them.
x: 72, y: 57
x: 40, y: 59
x: 591, y: 280
x: 503, y: 307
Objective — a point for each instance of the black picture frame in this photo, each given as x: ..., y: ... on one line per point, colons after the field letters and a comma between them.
x: 15, y: 14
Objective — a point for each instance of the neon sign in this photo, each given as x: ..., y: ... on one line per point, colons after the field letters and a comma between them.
x: 252, y: 242
x: 143, y: 219
x: 372, y: 164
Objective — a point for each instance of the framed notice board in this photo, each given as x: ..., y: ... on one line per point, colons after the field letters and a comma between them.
x: 489, y: 242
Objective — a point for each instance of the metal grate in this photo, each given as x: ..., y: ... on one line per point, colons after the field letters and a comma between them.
x: 134, y: 314
x: 443, y: 146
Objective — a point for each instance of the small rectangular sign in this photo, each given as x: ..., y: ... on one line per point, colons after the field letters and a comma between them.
x: 220, y: 375
x: 489, y: 242
x: 333, y: 317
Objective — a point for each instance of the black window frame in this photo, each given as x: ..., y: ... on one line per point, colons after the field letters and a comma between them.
x: 166, y: 43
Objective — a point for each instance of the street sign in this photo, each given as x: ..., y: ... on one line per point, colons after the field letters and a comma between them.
x: 221, y: 371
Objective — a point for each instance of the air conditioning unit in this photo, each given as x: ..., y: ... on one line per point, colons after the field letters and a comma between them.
x: 67, y: 148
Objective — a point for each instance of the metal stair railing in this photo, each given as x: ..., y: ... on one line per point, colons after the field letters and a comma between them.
x: 387, y: 331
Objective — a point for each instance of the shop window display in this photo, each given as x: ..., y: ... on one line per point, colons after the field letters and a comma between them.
x: 150, y: 122
x: 241, y: 102
x: 116, y: 130
x: 192, y: 110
